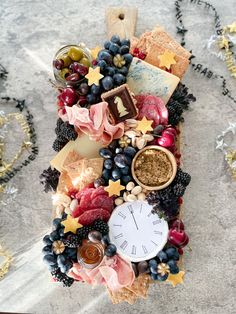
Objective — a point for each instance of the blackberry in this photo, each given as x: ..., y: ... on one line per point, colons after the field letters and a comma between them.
x: 59, y: 276
x: 67, y: 131
x: 49, y: 178
x: 84, y: 231
x: 59, y: 122
x: 72, y: 241
x: 58, y: 145
x: 101, y: 226
x: 153, y: 197
x: 166, y: 194
x: 182, y: 177
x: 179, y: 189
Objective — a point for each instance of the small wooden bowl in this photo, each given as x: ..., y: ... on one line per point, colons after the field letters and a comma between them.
x: 170, y: 156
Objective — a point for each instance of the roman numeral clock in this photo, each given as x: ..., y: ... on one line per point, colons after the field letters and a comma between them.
x: 137, y: 233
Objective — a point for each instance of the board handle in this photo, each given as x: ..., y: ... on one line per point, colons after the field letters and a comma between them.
x: 121, y: 21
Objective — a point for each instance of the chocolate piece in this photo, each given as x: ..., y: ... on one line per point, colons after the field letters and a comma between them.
x: 121, y: 104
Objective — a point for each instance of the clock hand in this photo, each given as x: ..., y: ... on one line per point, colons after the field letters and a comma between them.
x: 132, y: 213
x: 135, y: 221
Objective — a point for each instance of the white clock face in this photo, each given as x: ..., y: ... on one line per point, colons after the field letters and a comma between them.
x: 137, y: 233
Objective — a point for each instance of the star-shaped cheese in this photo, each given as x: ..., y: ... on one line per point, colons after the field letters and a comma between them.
x: 71, y: 224
x: 232, y: 27
x: 94, y: 76
x: 144, y: 125
x: 114, y: 188
x: 176, y: 278
x: 167, y: 59
x: 95, y: 51
x: 224, y: 43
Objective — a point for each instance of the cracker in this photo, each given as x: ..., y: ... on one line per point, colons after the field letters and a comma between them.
x: 140, y: 286
x: 122, y: 295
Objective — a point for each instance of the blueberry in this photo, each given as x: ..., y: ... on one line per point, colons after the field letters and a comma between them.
x: 105, y: 240
x: 125, y: 42
x: 114, y: 48
x: 57, y: 223
x: 61, y: 232
x: 120, y: 160
x: 153, y: 263
x: 119, y: 150
x: 99, y: 182
x: 61, y: 260
x: 95, y: 89
x: 105, y: 153
x: 105, y: 55
x: 47, y: 250
x: 91, y: 98
x: 107, y: 44
x: 130, y: 151
x: 46, y: 240
x: 128, y: 57
x: 174, y: 269
x: 119, y: 79
x: 116, y: 174
x: 54, y: 236
x: 162, y: 256
x: 154, y: 276
x: 125, y: 170
x: 107, y: 82
x: 108, y: 164
x: 113, y: 145
x: 110, y: 250
x: 110, y: 71
x: 153, y: 270
x: 115, y: 39
x: 106, y: 174
x: 172, y: 253
x: 126, y: 179
x: 49, y: 259
x: 102, y: 64
x: 128, y: 160
x: 124, y: 49
x: 123, y: 70
x: 162, y: 278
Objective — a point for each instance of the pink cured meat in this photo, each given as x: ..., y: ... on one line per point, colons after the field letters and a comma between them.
x: 102, y: 201
x: 90, y: 216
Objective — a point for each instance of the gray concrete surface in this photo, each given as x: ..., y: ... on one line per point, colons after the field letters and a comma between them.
x: 31, y: 32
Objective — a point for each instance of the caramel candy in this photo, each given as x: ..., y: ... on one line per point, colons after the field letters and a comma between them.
x: 90, y: 254
x: 121, y: 104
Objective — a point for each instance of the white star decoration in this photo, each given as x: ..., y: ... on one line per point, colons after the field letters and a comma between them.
x: 220, y: 144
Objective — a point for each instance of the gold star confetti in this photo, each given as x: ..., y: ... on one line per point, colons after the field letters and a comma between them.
x: 114, y: 188
x: 232, y: 27
x: 144, y: 125
x: 167, y: 59
x: 176, y: 278
x: 94, y: 76
x: 223, y: 42
x: 71, y: 224
x: 95, y: 51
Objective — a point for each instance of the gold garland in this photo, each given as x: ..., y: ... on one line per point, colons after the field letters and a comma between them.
x: 4, y: 267
x: 26, y: 143
x: 224, y: 44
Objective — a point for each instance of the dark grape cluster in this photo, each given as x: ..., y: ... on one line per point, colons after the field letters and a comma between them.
x: 166, y: 202
x: 49, y: 178
x: 117, y: 163
x: 65, y: 132
x: 179, y: 102
x: 114, y: 61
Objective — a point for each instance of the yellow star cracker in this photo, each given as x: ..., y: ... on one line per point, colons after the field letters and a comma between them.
x: 167, y: 59
x: 232, y: 27
x: 95, y: 51
x: 144, y: 125
x: 114, y: 188
x: 71, y: 224
x: 176, y: 278
x: 94, y: 76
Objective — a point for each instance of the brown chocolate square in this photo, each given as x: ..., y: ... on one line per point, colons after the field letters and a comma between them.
x: 121, y: 104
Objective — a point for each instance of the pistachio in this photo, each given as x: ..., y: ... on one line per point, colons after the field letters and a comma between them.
x: 136, y: 190
x: 130, y: 186
x: 141, y: 142
x: 125, y: 195
x: 148, y: 137
x: 130, y: 133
